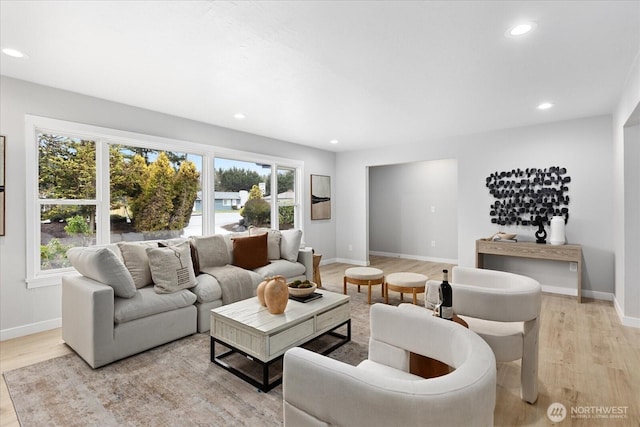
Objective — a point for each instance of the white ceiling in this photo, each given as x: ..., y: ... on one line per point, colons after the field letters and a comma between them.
x: 368, y: 73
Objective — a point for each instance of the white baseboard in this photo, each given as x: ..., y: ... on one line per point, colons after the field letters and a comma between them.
x: 415, y: 257
x: 33, y: 328
x: 328, y: 261
x: 352, y: 261
x: 606, y: 296
x: 559, y: 290
x: 633, y: 322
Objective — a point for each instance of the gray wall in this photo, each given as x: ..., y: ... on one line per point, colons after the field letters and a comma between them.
x: 411, y: 206
x: 583, y: 146
x: 24, y: 311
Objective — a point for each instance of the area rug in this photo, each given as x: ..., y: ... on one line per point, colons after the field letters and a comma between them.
x: 172, y: 385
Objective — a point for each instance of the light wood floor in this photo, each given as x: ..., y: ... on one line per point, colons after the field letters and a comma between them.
x: 587, y: 358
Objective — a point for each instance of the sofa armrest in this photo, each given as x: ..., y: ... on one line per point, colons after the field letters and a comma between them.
x: 305, y: 257
x: 87, y: 318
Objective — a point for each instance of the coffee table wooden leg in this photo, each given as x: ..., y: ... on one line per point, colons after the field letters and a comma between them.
x: 344, y: 281
x: 415, y: 297
x: 368, y: 293
x: 385, y: 293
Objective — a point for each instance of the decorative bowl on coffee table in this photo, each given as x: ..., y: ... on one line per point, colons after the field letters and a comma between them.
x: 302, y: 292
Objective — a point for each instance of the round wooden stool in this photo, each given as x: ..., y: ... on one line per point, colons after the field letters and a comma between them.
x: 364, y: 276
x: 412, y: 283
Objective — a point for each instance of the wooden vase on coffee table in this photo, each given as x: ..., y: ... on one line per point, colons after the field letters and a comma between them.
x: 276, y: 294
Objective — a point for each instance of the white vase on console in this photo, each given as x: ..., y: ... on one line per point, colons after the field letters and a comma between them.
x: 557, y: 231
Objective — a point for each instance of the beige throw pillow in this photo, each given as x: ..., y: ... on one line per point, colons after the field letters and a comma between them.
x: 171, y: 268
x: 137, y: 262
x: 212, y: 251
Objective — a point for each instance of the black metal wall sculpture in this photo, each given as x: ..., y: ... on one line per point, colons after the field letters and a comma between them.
x: 530, y: 196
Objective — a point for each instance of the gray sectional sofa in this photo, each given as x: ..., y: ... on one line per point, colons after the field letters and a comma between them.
x: 132, y: 296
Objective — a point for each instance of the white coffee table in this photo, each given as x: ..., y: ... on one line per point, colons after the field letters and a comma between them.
x: 248, y: 328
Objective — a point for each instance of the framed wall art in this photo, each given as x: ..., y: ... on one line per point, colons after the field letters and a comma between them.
x: 320, y: 197
x: 2, y: 195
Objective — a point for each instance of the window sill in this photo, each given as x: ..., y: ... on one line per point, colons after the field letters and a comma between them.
x: 44, y: 280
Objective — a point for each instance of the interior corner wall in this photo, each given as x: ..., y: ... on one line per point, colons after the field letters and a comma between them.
x: 632, y: 217
x: 24, y: 311
x: 627, y: 285
x: 413, y: 210
x: 583, y: 146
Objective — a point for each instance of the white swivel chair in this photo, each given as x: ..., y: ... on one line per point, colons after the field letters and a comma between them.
x: 380, y: 391
x: 504, y: 309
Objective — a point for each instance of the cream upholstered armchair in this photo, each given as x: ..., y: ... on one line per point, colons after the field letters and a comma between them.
x: 380, y: 391
x: 504, y: 309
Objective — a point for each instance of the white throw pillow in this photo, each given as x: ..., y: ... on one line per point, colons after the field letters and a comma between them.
x: 101, y: 264
x: 290, y: 244
x: 171, y: 268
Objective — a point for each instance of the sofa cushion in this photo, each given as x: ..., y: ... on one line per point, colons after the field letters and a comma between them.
x: 103, y: 265
x: 171, y: 268
x: 146, y: 302
x: 250, y: 252
x: 290, y: 244
x: 273, y: 241
x: 281, y: 267
x: 212, y: 251
x: 207, y: 288
x: 136, y: 260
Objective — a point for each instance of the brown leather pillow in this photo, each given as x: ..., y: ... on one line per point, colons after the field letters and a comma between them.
x: 250, y: 252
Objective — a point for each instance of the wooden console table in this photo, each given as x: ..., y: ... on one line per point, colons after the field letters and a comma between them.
x: 571, y: 253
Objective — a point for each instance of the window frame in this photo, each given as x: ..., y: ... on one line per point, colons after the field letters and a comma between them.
x: 103, y: 137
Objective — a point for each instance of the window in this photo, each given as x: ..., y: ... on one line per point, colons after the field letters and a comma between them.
x: 251, y: 183
x: 286, y: 198
x: 66, y: 196
x: 98, y: 186
x: 153, y: 193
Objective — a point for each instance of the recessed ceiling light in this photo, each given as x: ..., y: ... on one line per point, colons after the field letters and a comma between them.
x: 334, y: 141
x: 545, y: 106
x: 15, y: 53
x: 520, y: 29
x: 239, y: 116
